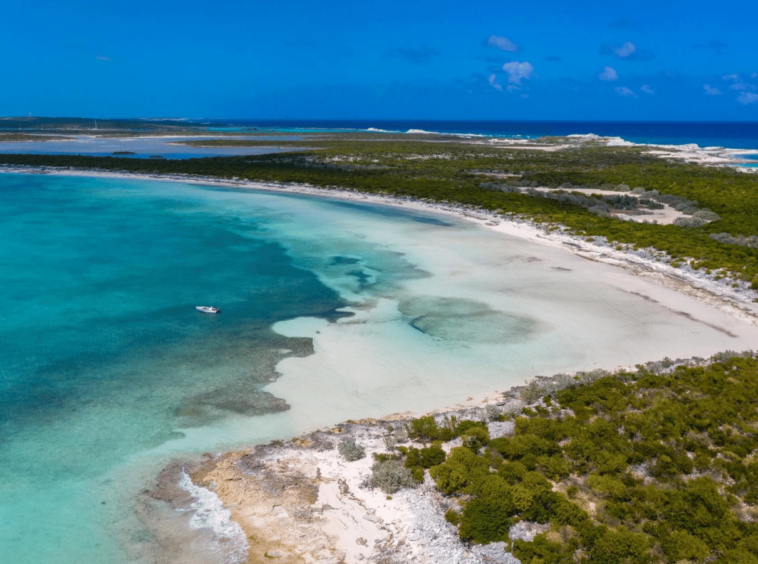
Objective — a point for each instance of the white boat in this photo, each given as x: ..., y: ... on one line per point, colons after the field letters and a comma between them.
x: 208, y: 309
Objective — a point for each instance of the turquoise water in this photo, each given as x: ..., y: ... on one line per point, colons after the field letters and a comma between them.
x: 332, y: 310
x: 103, y: 353
x: 106, y: 364
x: 750, y: 157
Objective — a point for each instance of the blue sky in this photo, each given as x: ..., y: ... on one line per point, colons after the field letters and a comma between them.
x: 524, y: 59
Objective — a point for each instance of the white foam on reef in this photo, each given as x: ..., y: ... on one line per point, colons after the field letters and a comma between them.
x: 464, y: 135
x: 209, y: 513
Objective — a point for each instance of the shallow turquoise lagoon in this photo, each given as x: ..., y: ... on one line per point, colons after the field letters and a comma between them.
x: 331, y: 310
x: 103, y: 355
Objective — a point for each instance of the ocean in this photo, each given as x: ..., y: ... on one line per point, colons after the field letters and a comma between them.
x: 332, y: 310
x: 731, y: 135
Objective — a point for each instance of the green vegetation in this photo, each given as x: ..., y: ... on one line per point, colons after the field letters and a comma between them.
x: 18, y: 137
x: 657, y: 465
x: 446, y: 169
x: 390, y: 476
x: 350, y: 450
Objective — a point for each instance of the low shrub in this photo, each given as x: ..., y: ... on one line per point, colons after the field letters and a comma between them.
x: 390, y: 476
x: 425, y: 457
x: 350, y: 450
x: 493, y: 412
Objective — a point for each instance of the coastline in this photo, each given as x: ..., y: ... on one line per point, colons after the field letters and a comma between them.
x: 739, y: 301
x: 301, y: 501
x: 642, y: 263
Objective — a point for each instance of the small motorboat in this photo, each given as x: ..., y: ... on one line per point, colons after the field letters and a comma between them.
x: 208, y: 309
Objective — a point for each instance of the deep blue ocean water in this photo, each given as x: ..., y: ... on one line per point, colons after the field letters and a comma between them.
x: 735, y: 135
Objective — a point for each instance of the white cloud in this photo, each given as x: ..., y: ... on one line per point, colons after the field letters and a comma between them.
x: 625, y: 50
x: 502, y: 43
x: 512, y: 88
x: 609, y: 74
x: 748, y: 98
x: 743, y: 86
x: 628, y: 51
x: 624, y: 91
x: 738, y: 83
x: 647, y: 89
x: 494, y: 84
x: 711, y: 91
x: 103, y: 58
x: 518, y: 71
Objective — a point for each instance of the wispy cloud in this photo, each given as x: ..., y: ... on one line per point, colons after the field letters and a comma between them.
x: 417, y: 56
x: 625, y: 50
x: 628, y: 51
x: 647, y: 89
x: 518, y: 71
x: 711, y: 91
x: 624, y: 91
x: 738, y: 84
x: 103, y: 58
x: 747, y: 98
x: 503, y: 43
x: 493, y: 82
x: 609, y: 74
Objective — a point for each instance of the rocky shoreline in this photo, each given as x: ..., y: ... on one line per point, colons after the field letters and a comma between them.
x: 301, y: 501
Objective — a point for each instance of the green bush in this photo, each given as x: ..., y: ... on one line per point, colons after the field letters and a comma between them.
x: 417, y: 473
x: 475, y: 438
x: 390, y: 476
x: 680, y: 545
x: 425, y: 457
x: 544, y: 551
x: 452, y: 516
x: 462, y: 469
x: 486, y: 520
